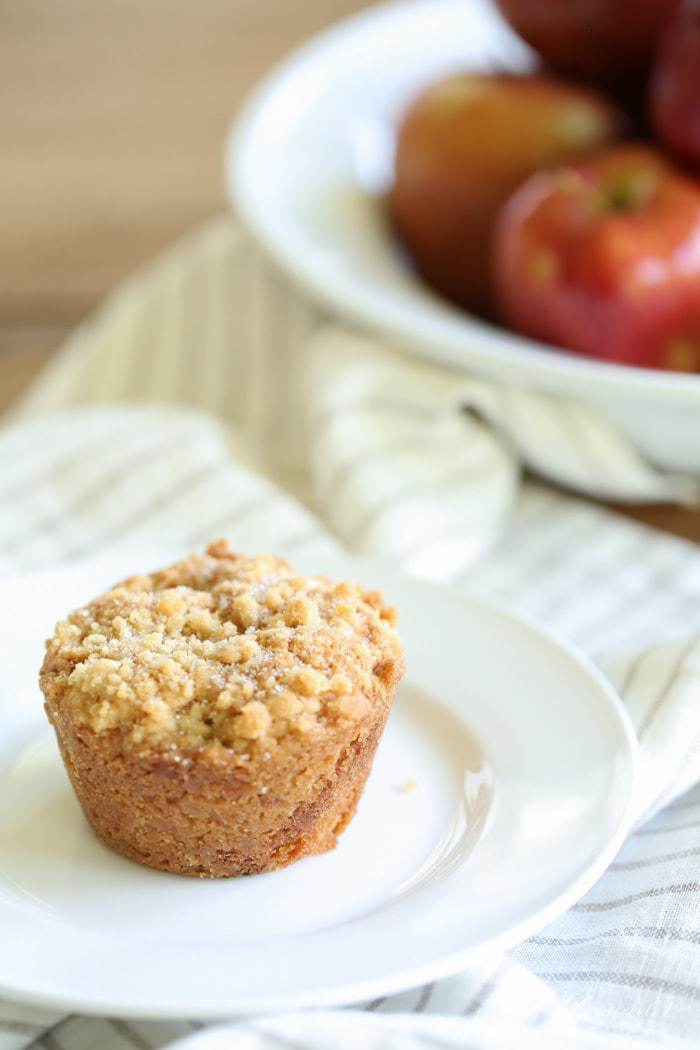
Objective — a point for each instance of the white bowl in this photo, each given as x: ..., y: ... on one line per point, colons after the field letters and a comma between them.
x: 307, y: 162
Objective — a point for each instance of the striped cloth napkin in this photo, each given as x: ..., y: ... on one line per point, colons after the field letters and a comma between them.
x: 279, y: 413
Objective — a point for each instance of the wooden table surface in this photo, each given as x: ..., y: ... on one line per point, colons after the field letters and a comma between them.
x: 113, y: 117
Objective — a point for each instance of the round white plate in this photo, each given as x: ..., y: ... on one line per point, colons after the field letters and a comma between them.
x: 500, y: 792
x: 307, y: 163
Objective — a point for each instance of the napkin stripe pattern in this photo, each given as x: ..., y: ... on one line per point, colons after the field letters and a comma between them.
x: 412, y: 462
x: 172, y: 468
x: 172, y: 333
x: 179, y: 447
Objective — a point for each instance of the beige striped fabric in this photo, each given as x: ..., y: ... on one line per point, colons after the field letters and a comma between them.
x: 213, y: 325
x: 236, y: 409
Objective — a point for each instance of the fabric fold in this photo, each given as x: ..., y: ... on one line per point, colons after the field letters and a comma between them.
x: 207, y: 398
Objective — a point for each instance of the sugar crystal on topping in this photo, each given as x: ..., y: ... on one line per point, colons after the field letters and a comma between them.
x: 221, y: 649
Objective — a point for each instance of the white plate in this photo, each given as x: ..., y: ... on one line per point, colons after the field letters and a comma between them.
x: 523, y: 765
x: 312, y: 150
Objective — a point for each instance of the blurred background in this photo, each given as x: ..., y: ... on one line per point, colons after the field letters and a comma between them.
x: 113, y: 119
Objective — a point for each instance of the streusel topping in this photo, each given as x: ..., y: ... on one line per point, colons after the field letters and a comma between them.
x: 222, y: 649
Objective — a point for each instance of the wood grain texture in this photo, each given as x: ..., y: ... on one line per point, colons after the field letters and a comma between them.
x: 680, y: 521
x: 24, y: 349
x: 113, y: 117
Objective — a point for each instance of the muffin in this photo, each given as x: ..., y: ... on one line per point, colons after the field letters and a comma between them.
x: 220, y: 717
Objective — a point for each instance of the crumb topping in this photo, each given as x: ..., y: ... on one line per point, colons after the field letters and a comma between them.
x: 224, y: 650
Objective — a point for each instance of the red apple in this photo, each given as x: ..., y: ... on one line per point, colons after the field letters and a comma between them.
x: 463, y: 147
x: 604, y: 258
x: 599, y: 39
x: 675, y: 85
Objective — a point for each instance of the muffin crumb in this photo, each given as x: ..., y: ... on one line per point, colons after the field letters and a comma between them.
x: 222, y: 647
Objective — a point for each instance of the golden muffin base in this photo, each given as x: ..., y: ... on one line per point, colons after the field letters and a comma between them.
x: 212, y: 821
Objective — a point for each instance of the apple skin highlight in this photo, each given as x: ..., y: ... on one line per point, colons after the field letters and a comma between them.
x: 603, y: 258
